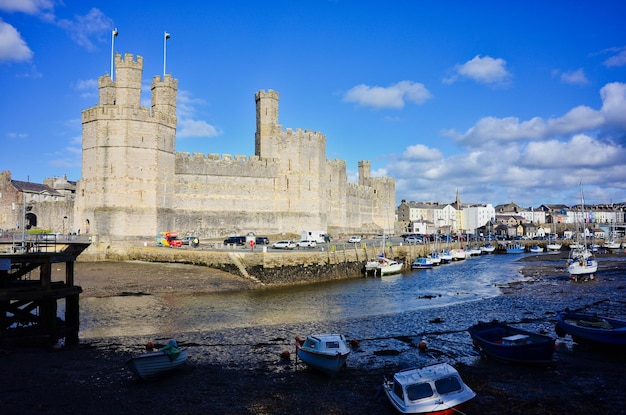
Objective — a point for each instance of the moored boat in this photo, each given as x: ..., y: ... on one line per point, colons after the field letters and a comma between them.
x: 536, y: 249
x: 474, y: 250
x: 327, y: 353
x: 154, y: 364
x: 445, y: 256
x: 582, y: 264
x: 488, y: 248
x: 514, y: 248
x: 584, y: 327
x: 422, y: 262
x: 553, y: 246
x: 436, y: 389
x: 459, y: 254
x: 434, y: 257
x: 512, y: 344
x: 611, y: 245
x: 383, y: 266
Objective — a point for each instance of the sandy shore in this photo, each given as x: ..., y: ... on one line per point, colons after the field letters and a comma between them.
x: 241, y: 372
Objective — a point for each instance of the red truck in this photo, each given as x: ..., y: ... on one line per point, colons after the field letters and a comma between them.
x: 169, y: 239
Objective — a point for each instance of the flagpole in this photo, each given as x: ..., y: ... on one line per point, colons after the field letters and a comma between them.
x: 165, y: 37
x: 113, y: 36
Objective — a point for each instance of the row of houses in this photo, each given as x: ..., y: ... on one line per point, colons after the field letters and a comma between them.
x: 508, y: 220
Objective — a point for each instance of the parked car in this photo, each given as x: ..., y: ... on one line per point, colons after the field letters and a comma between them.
x: 262, y: 240
x: 191, y: 240
x: 284, y: 244
x: 354, y: 239
x: 413, y: 240
x: 235, y: 240
x: 306, y: 244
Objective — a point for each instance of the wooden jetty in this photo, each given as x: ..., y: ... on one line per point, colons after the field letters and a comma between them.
x: 29, y: 298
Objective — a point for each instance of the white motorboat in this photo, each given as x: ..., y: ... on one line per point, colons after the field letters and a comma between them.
x: 611, y: 244
x: 474, y: 251
x: 154, y: 364
x: 436, y: 389
x: 553, y: 246
x: 459, y: 254
x: 324, y: 352
x: 488, y: 248
x: 383, y: 266
x: 536, y: 249
x: 434, y: 257
x: 445, y: 256
x: 422, y: 262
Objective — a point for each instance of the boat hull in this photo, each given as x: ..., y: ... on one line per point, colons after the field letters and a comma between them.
x: 591, y: 328
x: 512, y: 344
x: 150, y: 366
x: 421, y: 263
x: 313, y: 353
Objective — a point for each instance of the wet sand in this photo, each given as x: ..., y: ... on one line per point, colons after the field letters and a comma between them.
x: 240, y: 371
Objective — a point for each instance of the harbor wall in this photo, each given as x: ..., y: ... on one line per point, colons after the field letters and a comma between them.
x: 265, y: 268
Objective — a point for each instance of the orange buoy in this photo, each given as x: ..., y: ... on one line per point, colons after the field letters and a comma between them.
x: 422, y: 345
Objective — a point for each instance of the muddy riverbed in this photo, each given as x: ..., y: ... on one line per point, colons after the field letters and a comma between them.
x: 241, y: 371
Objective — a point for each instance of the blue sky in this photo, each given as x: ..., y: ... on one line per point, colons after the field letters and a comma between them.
x: 501, y: 100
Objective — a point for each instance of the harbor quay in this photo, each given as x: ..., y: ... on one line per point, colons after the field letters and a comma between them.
x: 266, y: 266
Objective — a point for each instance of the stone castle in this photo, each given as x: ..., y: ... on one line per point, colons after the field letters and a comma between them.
x: 134, y: 184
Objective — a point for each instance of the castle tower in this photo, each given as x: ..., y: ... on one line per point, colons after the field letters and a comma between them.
x: 364, y: 173
x: 266, y: 121
x: 128, y: 178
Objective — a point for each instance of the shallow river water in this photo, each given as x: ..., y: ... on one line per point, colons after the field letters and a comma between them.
x: 476, y: 278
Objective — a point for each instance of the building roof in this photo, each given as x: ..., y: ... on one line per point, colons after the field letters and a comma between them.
x: 29, y: 187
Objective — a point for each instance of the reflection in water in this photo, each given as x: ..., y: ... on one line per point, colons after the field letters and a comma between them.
x: 464, y: 281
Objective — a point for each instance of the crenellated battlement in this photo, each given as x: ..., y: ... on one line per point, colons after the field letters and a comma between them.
x: 114, y: 112
x: 271, y: 94
x: 128, y: 61
x: 168, y: 80
x: 301, y: 134
x: 199, y: 164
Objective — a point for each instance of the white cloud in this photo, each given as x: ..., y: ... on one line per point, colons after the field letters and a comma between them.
x: 619, y: 59
x: 422, y: 152
x: 87, y: 29
x: 12, y: 135
x: 195, y: 128
x: 188, y: 126
x: 614, y: 103
x: 12, y: 47
x: 393, y: 96
x: 485, y: 70
x: 576, y: 77
x: 577, y: 120
x: 579, y: 151
x: 26, y: 6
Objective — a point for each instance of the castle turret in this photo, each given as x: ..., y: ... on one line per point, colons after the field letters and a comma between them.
x: 266, y: 120
x: 128, y: 80
x: 364, y: 173
x: 128, y: 155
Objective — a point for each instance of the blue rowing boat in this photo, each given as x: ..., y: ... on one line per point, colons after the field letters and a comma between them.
x: 512, y: 344
x: 592, y: 328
